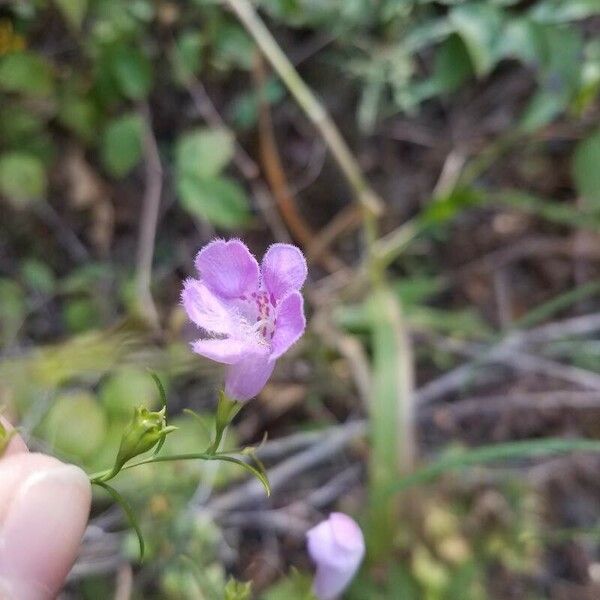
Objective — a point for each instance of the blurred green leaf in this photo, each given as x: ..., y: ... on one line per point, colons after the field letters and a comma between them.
x: 122, y: 144
x: 480, y: 27
x: 125, y: 389
x: 132, y: 71
x: 557, y: 212
x: 73, y: 11
x: 233, y: 47
x: 244, y: 109
x: 559, y: 53
x: 12, y: 309
x: 187, y: 55
x: 560, y: 11
x: 541, y: 110
x: 522, y: 449
x: 81, y: 314
x: 204, y: 152
x: 586, y: 169
x: 390, y: 421
x: 38, y: 276
x: 27, y: 73
x: 219, y: 200
x: 80, y: 115
x: 296, y: 586
x: 451, y: 66
x: 238, y: 590
x: 17, y: 123
x: 22, y: 177
x: 75, y: 426
x: 443, y: 209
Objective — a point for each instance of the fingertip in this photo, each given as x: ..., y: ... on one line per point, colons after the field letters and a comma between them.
x: 42, y: 522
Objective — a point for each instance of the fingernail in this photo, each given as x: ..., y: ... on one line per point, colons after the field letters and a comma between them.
x: 41, y: 532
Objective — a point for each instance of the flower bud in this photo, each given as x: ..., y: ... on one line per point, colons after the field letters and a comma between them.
x: 337, y: 547
x: 142, y: 433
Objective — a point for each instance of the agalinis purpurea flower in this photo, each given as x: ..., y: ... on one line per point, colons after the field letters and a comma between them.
x: 337, y: 547
x: 251, y: 315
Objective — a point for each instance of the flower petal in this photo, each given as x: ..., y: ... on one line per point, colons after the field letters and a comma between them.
x: 246, y: 379
x: 290, y: 324
x: 227, y: 268
x: 227, y: 351
x: 205, y: 309
x: 283, y: 269
x: 337, y: 547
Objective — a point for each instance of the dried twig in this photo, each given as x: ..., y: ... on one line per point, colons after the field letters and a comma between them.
x: 309, y: 104
x: 148, y: 222
x: 277, y: 178
x: 253, y: 491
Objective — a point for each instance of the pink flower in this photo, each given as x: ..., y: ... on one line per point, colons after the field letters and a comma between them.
x: 251, y: 314
x: 337, y: 547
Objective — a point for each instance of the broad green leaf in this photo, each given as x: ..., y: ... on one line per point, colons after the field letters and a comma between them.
x: 73, y: 11
x: 132, y: 71
x: 122, y: 144
x: 480, y: 27
x: 452, y: 65
x: 26, y: 73
x: 204, y: 152
x: 520, y: 40
x: 586, y: 169
x: 219, y: 200
x: 22, y: 177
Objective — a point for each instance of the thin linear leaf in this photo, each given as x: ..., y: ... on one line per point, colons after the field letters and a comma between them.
x: 160, y: 386
x: 493, y: 453
x: 258, y: 473
x: 119, y: 499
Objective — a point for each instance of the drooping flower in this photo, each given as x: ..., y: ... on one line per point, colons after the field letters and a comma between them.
x: 251, y: 315
x: 337, y: 547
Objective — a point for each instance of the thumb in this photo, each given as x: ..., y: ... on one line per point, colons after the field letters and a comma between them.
x: 44, y: 507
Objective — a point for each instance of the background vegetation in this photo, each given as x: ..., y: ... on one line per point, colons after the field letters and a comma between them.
x: 453, y: 295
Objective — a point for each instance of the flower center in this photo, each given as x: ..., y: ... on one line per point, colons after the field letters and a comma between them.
x: 259, y: 308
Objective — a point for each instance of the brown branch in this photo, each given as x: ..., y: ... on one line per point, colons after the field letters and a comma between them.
x: 277, y: 179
